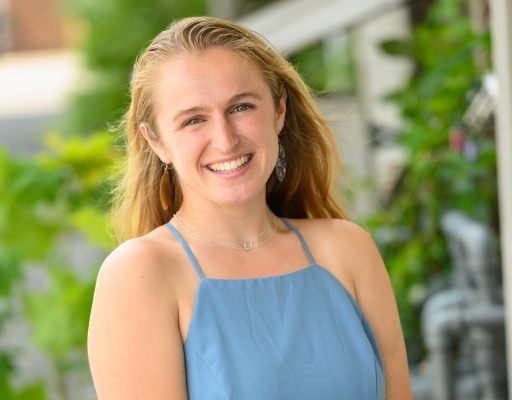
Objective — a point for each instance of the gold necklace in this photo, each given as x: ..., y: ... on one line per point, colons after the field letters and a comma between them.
x: 246, y: 245
x: 217, y: 237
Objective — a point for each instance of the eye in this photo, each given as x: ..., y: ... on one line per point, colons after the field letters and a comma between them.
x: 241, y: 107
x: 193, y: 121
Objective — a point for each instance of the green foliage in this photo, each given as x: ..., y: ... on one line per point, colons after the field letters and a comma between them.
x: 29, y: 204
x: 61, y: 192
x: 310, y: 64
x: 65, y: 191
x: 437, y: 176
x: 61, y: 316
x: 35, y: 391
x: 327, y: 66
x: 116, y: 31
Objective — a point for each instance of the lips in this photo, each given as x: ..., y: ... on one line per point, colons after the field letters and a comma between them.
x: 229, y: 166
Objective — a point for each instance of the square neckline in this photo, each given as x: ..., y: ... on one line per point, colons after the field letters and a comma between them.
x: 265, y: 277
x: 201, y: 275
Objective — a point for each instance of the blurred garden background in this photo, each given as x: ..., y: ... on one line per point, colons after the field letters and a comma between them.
x: 403, y: 85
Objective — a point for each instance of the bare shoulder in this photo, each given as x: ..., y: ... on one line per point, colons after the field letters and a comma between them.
x: 133, y: 325
x: 343, y: 247
x: 350, y: 253
x: 333, y: 230
x: 141, y: 258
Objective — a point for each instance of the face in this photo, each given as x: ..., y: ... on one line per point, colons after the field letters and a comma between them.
x: 218, y: 126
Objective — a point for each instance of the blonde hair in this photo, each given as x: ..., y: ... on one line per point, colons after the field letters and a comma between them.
x: 311, y: 187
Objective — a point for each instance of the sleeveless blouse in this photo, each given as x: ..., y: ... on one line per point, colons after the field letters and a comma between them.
x: 297, y: 336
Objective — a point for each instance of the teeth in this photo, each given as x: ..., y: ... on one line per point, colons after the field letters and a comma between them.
x: 229, y: 166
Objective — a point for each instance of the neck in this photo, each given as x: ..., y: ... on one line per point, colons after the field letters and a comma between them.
x: 239, y: 223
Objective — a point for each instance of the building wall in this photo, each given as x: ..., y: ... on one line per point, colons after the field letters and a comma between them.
x: 35, y: 24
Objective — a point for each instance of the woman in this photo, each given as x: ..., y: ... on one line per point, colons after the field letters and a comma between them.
x: 216, y: 295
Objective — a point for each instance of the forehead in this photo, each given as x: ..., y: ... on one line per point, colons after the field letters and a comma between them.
x: 191, y: 79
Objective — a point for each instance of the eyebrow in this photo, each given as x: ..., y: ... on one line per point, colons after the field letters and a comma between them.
x: 233, y: 99
x: 243, y: 95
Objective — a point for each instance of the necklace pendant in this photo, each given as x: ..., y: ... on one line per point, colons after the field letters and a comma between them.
x: 246, y: 245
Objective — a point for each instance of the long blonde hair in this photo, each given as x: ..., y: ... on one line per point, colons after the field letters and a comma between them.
x: 311, y: 187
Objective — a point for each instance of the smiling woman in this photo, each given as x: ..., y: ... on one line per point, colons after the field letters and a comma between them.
x: 225, y: 116
x: 242, y: 278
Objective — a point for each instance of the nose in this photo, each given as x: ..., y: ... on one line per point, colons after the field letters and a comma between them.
x: 224, y: 137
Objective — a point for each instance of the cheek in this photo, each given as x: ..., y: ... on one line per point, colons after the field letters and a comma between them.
x: 186, y: 150
x: 263, y: 126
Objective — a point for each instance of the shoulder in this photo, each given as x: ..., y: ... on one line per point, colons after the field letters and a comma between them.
x: 138, y: 272
x: 154, y: 258
x: 346, y: 249
x: 138, y: 279
x: 332, y: 229
x: 135, y: 306
x: 350, y: 254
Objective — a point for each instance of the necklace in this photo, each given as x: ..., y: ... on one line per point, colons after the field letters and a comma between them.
x: 246, y: 245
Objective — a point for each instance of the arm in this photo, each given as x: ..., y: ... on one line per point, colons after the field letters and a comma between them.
x: 375, y: 297
x: 134, y: 344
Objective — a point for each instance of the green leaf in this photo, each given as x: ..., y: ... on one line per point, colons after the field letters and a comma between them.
x: 116, y: 32
x: 91, y: 222
x: 34, y: 391
x: 405, y: 48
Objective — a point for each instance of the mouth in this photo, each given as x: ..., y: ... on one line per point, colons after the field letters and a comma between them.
x: 230, y: 166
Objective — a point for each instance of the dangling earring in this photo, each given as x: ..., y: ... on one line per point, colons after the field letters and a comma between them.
x: 281, y: 163
x: 165, y: 187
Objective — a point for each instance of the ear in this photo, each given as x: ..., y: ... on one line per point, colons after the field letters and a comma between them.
x: 155, y: 146
x: 281, y: 110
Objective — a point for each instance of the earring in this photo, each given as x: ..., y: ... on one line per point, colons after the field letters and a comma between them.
x: 281, y: 164
x: 165, y: 187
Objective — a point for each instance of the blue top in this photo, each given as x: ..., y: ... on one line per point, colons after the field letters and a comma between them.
x: 297, y: 336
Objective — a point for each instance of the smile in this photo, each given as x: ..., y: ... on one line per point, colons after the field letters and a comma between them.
x: 229, y: 166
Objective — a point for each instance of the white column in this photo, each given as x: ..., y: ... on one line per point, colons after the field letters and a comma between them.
x: 380, y: 74
x: 501, y: 19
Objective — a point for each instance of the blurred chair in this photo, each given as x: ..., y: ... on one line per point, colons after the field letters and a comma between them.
x: 463, y: 327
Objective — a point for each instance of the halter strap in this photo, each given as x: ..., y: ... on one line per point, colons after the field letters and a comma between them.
x: 301, y: 238
x: 187, y: 249
x: 198, y: 268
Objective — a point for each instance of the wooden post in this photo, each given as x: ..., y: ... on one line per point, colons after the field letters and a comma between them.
x: 501, y: 20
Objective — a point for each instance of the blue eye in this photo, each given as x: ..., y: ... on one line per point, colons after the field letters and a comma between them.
x: 193, y: 121
x: 242, y: 107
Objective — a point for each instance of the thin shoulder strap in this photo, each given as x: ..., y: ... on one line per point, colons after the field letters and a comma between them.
x: 187, y: 249
x: 304, y: 244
